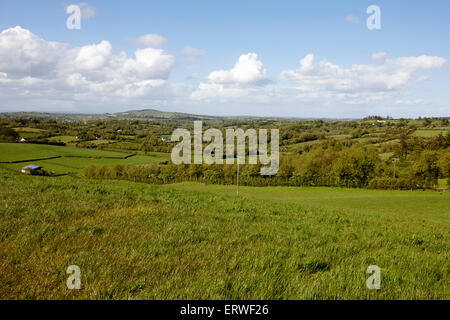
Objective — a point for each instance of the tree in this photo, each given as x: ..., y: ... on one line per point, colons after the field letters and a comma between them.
x: 8, y: 134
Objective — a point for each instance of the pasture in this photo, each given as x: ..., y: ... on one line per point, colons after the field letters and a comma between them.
x: 72, y: 159
x: 192, y: 241
x: 428, y: 133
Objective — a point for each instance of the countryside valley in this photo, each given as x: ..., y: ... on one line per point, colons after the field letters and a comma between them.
x: 107, y: 197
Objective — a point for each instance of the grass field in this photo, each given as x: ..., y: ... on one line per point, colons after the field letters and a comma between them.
x: 428, y: 133
x: 73, y: 160
x: 28, y: 130
x: 423, y: 205
x: 191, y: 241
x: 65, y: 139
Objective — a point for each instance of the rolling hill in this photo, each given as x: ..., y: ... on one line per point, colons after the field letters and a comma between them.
x: 146, y: 114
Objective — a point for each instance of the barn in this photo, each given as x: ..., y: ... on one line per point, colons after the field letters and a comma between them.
x: 32, y: 169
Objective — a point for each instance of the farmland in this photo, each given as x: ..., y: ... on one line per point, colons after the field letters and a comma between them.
x: 190, y: 241
x: 72, y: 160
x: 140, y: 227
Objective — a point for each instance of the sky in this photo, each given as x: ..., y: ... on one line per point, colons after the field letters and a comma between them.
x: 260, y: 58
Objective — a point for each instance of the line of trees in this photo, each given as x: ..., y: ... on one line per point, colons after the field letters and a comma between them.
x: 334, y: 165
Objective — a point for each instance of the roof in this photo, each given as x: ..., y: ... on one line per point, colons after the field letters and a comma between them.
x: 31, y: 167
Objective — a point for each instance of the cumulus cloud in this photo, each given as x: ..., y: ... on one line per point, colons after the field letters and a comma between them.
x: 24, y: 54
x: 389, y: 74
x: 319, y: 84
x: 352, y: 19
x: 248, y: 69
x: 45, y: 75
x: 150, y: 40
x: 88, y: 71
x: 247, y: 72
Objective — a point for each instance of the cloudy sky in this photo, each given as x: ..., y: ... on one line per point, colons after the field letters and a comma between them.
x: 262, y: 58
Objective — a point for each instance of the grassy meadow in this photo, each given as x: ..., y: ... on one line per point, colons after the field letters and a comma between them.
x: 193, y: 241
x: 72, y: 159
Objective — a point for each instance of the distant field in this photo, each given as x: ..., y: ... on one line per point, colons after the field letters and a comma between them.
x: 340, y: 136
x: 28, y: 130
x: 65, y: 139
x: 191, y: 241
x: 24, y: 151
x: 428, y: 133
x: 73, y: 160
x: 295, y: 146
x: 386, y: 155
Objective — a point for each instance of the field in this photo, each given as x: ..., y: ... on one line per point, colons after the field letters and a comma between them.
x: 428, y: 133
x: 65, y: 139
x: 192, y: 241
x: 72, y: 160
x: 195, y: 240
x: 359, y: 201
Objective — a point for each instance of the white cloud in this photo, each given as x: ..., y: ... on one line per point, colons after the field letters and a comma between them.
x: 248, y: 69
x: 54, y: 76
x: 236, y: 82
x: 39, y: 67
x: 411, y: 102
x: 93, y: 57
x: 390, y: 74
x: 352, y: 19
x: 150, y: 40
x: 24, y: 54
x: 323, y: 85
x: 150, y: 63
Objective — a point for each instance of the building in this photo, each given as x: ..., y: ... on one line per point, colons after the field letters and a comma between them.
x: 165, y: 139
x: 32, y: 169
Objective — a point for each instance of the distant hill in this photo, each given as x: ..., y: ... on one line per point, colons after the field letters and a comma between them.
x: 156, y: 114
x: 147, y: 114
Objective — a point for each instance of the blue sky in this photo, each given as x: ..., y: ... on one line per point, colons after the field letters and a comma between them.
x: 269, y: 38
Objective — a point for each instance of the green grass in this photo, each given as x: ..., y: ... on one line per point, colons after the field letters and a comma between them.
x: 191, y: 241
x: 442, y: 184
x: 99, y: 142
x: 340, y: 136
x: 428, y: 133
x: 28, y: 130
x: 25, y: 151
x: 65, y: 139
x: 419, y: 204
x: 386, y: 155
x: 296, y: 146
x: 74, y: 160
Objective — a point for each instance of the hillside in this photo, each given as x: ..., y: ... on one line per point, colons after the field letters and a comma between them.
x: 146, y: 114
x: 191, y: 241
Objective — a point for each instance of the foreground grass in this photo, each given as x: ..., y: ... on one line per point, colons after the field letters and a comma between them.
x: 137, y: 241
